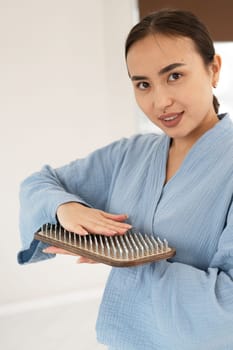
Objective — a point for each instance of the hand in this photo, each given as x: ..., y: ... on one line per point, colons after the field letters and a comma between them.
x: 82, y: 220
x: 80, y: 260
x: 77, y: 218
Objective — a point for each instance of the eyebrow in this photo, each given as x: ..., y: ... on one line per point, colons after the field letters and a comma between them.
x: 161, y: 72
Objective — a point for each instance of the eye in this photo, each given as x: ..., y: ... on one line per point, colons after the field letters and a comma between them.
x: 174, y: 76
x: 142, y: 85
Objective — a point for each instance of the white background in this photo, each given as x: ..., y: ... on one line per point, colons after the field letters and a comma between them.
x: 64, y: 92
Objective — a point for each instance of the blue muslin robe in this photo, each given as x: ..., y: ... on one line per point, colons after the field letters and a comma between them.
x: 185, y: 303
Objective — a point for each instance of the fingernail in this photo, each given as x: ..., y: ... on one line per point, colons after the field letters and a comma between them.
x: 83, y: 233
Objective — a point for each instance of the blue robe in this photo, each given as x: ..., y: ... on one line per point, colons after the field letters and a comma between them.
x: 184, y: 303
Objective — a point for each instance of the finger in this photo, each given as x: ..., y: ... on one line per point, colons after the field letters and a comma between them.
x: 55, y: 250
x: 118, y: 222
x: 94, y: 227
x: 101, y: 229
x: 107, y: 224
x: 116, y: 217
x: 100, y: 225
x: 115, y: 225
x: 77, y: 229
x: 83, y: 260
x: 109, y: 228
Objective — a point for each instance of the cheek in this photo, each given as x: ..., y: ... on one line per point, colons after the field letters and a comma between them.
x: 146, y: 106
x: 143, y: 103
x: 203, y: 84
x: 197, y: 94
x: 203, y: 98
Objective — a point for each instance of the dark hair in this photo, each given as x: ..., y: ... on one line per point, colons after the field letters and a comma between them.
x: 173, y: 22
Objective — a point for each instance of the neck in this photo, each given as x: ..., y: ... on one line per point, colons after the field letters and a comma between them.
x: 183, y: 144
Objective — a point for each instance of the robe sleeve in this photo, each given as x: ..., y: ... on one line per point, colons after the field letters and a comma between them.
x: 197, y: 305
x: 85, y: 181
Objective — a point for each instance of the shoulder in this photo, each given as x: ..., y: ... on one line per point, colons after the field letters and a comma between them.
x: 136, y: 143
x: 142, y: 142
x: 140, y: 148
x: 132, y: 149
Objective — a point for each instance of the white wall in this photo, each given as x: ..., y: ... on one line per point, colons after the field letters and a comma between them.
x: 64, y: 91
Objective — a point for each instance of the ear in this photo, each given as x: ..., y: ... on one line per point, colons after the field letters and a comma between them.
x: 215, y: 68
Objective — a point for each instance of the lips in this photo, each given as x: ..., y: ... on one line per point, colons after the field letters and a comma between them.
x: 171, y: 120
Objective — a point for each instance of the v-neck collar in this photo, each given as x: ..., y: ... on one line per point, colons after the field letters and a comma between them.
x: 208, y: 140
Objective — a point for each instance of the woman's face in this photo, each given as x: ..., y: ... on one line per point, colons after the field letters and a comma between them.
x: 172, y: 85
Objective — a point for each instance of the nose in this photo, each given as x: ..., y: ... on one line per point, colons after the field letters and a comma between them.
x: 162, y: 99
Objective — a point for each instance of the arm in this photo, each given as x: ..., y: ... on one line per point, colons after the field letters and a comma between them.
x: 197, y: 305
x: 86, y: 181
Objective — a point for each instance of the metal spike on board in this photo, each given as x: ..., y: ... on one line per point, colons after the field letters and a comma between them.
x: 130, y: 249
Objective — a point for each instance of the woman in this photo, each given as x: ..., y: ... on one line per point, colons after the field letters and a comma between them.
x: 178, y: 185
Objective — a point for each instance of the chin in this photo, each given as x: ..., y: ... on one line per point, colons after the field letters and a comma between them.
x: 176, y: 134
